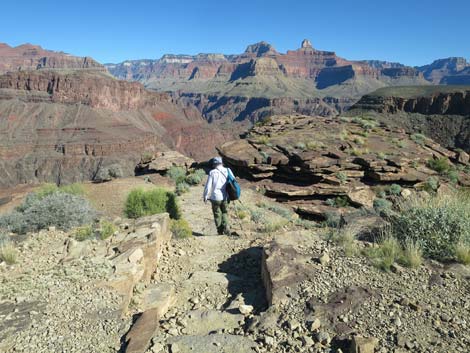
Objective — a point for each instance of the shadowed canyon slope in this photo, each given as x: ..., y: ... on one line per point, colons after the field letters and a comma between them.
x: 65, y: 126
x: 262, y: 82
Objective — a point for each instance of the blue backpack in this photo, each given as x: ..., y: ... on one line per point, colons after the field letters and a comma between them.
x: 232, y: 187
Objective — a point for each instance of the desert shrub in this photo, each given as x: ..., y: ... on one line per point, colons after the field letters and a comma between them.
x: 382, y: 205
x: 195, y: 177
x: 8, y: 253
x: 339, y: 201
x: 181, y: 188
x: 462, y: 253
x: 264, y: 121
x: 106, y: 229
x: 4, y: 238
x: 256, y: 215
x: 440, y: 165
x: 181, y: 228
x: 359, y: 140
x: 278, y: 209
x: 394, y: 189
x: 402, y: 144
x: 342, y: 177
x: 418, y: 139
x: 431, y: 184
x: 453, y: 175
x: 141, y: 203
x: 346, y: 238
x: 108, y: 173
x: 313, y: 145
x: 300, y: 146
x: 265, y: 156
x: 263, y: 139
x: 332, y: 219
x: 271, y: 226
x: 412, y: 255
x: 436, y: 223
x: 146, y: 157
x: 177, y: 174
x: 46, y: 190
x: 385, y: 253
x: 345, y: 119
x: 73, y: 189
x: 381, y: 155
x: 83, y: 233
x: 305, y: 223
x: 358, y: 151
x: 59, y: 209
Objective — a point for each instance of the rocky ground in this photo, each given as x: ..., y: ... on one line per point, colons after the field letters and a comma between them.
x: 282, y: 288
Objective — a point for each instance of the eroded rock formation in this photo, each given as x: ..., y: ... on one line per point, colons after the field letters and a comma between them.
x: 63, y: 126
x: 323, y: 165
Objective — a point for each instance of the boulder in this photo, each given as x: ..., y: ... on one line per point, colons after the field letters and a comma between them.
x: 217, y: 343
x: 363, y: 344
x: 161, y: 162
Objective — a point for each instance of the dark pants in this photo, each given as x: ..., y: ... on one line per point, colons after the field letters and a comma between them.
x: 219, y: 209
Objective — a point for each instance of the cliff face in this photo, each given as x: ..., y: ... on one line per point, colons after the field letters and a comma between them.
x: 437, y: 103
x: 65, y: 126
x: 263, y: 73
x: 92, y: 89
x: 451, y: 71
x: 32, y: 57
x: 441, y: 112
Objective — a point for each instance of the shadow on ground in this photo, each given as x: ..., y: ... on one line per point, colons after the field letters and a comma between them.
x: 246, y: 267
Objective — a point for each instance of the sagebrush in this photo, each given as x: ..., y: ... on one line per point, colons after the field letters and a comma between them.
x: 141, y: 203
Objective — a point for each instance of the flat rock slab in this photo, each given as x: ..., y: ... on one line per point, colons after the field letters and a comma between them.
x: 212, y: 277
x: 203, y: 322
x: 220, y: 343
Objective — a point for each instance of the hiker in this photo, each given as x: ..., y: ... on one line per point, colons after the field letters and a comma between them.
x: 215, y: 191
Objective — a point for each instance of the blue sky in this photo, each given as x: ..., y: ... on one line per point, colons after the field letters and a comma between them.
x: 414, y: 32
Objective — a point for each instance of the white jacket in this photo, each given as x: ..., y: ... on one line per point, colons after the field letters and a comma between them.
x: 215, y: 185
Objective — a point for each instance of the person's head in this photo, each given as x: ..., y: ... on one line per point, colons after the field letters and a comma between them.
x: 216, y: 161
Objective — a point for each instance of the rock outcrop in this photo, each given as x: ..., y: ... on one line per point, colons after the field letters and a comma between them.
x: 322, y: 165
x: 440, y: 112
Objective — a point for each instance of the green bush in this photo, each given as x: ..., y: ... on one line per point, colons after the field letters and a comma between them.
x: 49, y: 189
x: 440, y: 165
x: 342, y: 177
x: 431, y: 184
x: 385, y: 254
x: 177, y: 174
x: 58, y: 209
x: 106, y: 229
x: 339, y: 201
x: 436, y: 223
x: 382, y: 205
x: 141, y: 203
x: 181, y: 228
x: 83, y: 233
x: 196, y: 177
x: 394, y: 189
x: 418, y: 138
x: 109, y: 172
x: 181, y: 188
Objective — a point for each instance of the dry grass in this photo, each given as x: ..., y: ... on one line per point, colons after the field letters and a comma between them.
x: 462, y: 253
x: 8, y: 254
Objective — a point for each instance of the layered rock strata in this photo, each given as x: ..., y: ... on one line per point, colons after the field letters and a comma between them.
x: 323, y: 165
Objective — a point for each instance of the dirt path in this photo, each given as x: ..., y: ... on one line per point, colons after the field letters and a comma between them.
x: 213, y: 276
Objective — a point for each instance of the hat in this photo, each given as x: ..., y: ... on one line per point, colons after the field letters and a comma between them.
x: 216, y: 160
